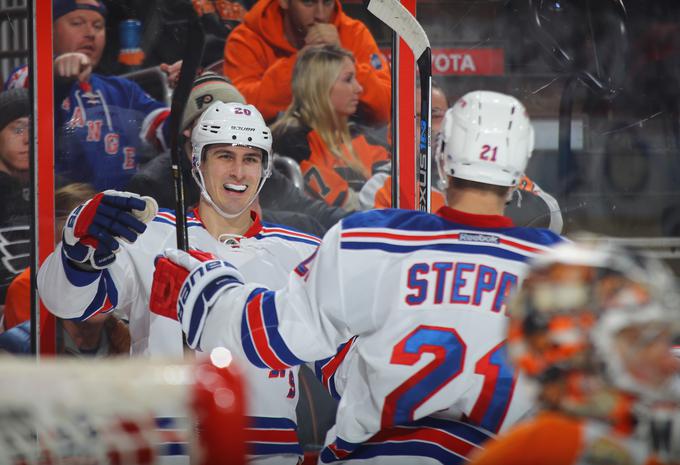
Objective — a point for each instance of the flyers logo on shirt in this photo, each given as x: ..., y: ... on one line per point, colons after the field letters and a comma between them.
x: 204, y: 100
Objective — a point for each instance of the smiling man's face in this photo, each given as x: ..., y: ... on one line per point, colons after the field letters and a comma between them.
x: 81, y: 31
x: 232, y: 174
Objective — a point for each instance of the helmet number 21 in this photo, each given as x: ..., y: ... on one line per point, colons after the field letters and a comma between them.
x: 488, y: 153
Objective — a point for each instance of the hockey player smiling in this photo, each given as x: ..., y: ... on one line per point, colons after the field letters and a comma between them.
x: 230, y: 176
x: 106, y: 259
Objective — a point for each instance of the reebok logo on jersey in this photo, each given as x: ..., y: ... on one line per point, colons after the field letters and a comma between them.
x: 487, y: 238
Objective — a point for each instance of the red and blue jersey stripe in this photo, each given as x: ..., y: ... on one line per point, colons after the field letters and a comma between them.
x: 392, y: 241
x: 325, y: 369
x: 168, y: 216
x: 106, y: 297
x: 446, y: 441
x: 272, y: 436
x: 270, y: 230
x: 405, y: 231
x: 399, y: 241
x: 262, y: 342
x: 173, y: 436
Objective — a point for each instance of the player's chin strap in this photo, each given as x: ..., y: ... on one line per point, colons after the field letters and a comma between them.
x: 198, y: 177
x: 556, y: 220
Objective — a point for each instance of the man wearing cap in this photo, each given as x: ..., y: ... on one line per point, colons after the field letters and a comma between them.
x: 14, y: 182
x: 280, y: 200
x: 104, y: 124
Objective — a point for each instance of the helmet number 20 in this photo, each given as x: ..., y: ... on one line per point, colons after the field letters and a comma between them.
x: 488, y: 153
x: 242, y: 111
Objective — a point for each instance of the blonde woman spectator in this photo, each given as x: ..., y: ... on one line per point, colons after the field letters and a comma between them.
x: 335, y: 158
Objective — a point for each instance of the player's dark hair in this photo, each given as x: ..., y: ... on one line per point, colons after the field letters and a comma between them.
x: 501, y: 191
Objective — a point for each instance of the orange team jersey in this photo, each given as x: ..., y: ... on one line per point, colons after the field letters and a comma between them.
x: 383, y: 197
x: 326, y: 176
x: 18, y: 301
x: 557, y: 439
x: 259, y: 61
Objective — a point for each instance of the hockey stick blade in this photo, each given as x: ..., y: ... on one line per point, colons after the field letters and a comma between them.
x: 398, y: 18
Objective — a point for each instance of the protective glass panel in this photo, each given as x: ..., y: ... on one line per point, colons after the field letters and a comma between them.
x: 598, y: 80
x: 15, y: 182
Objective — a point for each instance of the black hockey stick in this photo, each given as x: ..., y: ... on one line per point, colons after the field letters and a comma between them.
x: 191, y: 60
x: 401, y: 21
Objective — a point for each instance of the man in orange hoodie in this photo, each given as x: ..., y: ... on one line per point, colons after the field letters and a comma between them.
x: 260, y: 53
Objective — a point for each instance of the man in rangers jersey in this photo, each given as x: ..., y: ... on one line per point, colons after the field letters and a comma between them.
x: 103, y: 124
x: 426, y: 380
x: 92, y: 271
x: 593, y: 327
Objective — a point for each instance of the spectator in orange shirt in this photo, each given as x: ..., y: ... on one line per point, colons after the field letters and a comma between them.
x: 260, y: 54
x: 335, y: 157
x: 593, y: 329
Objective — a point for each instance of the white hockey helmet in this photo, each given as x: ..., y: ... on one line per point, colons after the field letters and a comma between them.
x: 486, y: 137
x: 230, y: 123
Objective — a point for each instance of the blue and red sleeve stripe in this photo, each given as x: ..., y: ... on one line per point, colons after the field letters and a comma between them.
x: 272, y: 436
x: 447, y: 441
x: 325, y: 369
x: 262, y: 342
x: 106, y: 297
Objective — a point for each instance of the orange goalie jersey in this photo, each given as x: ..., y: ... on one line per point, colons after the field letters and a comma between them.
x: 558, y: 439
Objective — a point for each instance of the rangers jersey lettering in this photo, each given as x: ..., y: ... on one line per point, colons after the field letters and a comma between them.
x: 103, y: 128
x: 265, y: 254
x: 425, y: 295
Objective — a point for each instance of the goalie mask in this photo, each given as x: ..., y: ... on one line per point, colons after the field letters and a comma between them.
x: 486, y: 137
x: 234, y: 124
x: 599, y: 321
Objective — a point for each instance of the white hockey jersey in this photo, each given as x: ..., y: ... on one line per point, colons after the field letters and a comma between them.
x: 266, y: 254
x: 426, y: 296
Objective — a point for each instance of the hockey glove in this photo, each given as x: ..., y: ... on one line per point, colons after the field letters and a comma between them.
x: 185, y: 285
x: 169, y: 276
x: 93, y: 230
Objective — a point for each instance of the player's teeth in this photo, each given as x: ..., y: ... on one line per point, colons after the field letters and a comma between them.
x: 235, y: 187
